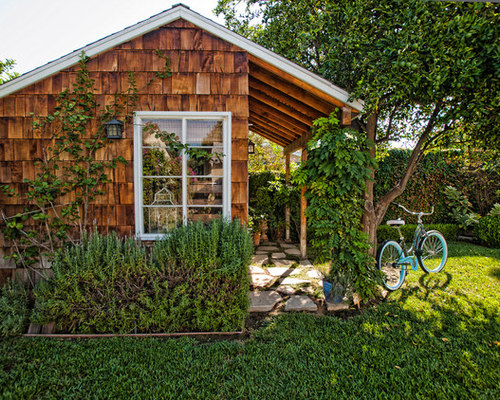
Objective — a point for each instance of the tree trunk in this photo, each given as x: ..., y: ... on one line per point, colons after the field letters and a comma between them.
x: 368, y: 219
x: 374, y: 214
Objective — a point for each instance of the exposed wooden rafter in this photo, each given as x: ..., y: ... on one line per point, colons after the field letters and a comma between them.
x: 284, y: 98
x: 257, y: 107
x: 272, y: 102
x: 294, y: 91
x: 298, y: 143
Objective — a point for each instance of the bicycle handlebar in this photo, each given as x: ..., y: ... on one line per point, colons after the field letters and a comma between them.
x: 414, y: 212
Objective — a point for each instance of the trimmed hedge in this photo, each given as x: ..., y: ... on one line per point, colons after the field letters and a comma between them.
x: 487, y: 231
x: 475, y: 175
x: 385, y: 232
x: 196, y: 279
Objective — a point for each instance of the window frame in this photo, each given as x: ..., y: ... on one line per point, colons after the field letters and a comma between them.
x: 139, y: 117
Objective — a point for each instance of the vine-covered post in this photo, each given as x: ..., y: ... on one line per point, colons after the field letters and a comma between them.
x: 287, y: 207
x: 303, y: 206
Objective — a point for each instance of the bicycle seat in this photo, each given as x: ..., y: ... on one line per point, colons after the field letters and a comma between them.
x: 395, y: 222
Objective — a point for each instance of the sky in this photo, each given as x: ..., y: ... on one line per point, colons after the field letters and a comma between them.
x: 34, y: 32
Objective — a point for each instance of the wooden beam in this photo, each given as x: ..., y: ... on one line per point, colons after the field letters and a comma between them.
x: 275, y: 122
x: 271, y: 129
x: 303, y: 220
x: 345, y: 116
x: 285, y: 99
x: 288, y: 133
x: 295, y: 81
x: 267, y: 135
x: 292, y: 90
x: 258, y: 107
x: 287, y: 207
x: 271, y: 101
x: 298, y: 143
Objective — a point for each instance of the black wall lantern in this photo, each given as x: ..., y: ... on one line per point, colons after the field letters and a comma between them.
x: 114, y: 129
x: 251, y: 147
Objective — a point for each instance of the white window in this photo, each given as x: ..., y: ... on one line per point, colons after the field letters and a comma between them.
x: 171, y: 187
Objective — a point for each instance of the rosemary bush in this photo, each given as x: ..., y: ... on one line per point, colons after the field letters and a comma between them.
x: 13, y: 308
x: 195, y: 279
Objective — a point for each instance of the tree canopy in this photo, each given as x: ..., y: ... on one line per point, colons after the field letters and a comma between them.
x: 412, y: 62
x: 427, y: 71
x: 6, y: 73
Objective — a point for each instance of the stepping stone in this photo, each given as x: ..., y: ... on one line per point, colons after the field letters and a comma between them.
x: 261, y: 280
x: 256, y: 270
x: 267, y: 243
x: 285, y: 290
x: 314, y: 274
x: 337, y: 306
x: 260, y: 252
x: 306, y: 263
x: 267, y: 248
x: 296, y: 271
x: 263, y: 301
x: 283, y: 263
x: 278, y: 271
x: 259, y: 259
x: 300, y: 303
x: 288, y: 246
x: 292, y: 252
x: 278, y: 255
x: 293, y: 281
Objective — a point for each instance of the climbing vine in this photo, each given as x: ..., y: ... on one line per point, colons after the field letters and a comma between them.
x: 338, y: 164
x: 72, y: 171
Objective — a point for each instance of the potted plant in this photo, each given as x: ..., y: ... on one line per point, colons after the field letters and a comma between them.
x: 255, y: 223
x: 335, y: 287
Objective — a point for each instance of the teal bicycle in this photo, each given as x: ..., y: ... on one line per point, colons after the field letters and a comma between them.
x: 429, y: 250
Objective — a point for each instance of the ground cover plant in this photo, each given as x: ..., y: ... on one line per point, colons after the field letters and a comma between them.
x: 436, y: 338
x: 195, y: 279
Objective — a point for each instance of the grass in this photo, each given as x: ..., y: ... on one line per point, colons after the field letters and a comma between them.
x: 436, y: 338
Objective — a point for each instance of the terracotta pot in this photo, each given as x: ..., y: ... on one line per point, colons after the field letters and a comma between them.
x: 256, y: 239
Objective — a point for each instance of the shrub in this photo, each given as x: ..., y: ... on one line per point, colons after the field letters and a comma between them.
x: 487, y: 232
x: 385, y: 232
x: 195, y: 279
x: 13, y: 309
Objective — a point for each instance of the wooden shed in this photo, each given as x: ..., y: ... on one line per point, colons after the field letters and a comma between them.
x: 222, y: 85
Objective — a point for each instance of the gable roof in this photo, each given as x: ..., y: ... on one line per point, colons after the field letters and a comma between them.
x: 180, y: 11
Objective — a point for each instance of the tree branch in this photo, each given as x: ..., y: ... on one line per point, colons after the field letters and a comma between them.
x: 416, y: 154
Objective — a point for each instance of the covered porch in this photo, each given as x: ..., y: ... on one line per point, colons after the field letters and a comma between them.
x: 282, y: 108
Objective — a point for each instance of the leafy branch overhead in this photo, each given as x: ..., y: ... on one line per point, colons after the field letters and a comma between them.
x: 427, y: 71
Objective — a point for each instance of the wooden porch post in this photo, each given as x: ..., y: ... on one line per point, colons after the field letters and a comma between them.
x: 287, y: 208
x: 303, y: 221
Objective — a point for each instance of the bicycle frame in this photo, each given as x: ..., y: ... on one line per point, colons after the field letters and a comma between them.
x: 409, y: 256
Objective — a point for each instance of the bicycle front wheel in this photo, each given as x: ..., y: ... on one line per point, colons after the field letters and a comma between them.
x: 393, y: 273
x: 432, y: 252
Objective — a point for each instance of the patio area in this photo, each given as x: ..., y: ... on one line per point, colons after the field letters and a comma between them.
x: 281, y: 281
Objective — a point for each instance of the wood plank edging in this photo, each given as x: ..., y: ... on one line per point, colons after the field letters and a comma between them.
x: 135, y: 335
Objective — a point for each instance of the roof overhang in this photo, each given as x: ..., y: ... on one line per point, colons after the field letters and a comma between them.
x: 180, y: 11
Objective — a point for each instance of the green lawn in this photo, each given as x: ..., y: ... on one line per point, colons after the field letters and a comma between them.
x: 436, y: 338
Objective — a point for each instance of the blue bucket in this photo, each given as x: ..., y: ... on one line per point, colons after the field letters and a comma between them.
x: 327, y: 288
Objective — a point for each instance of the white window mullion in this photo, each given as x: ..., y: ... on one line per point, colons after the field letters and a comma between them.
x: 138, y: 197
x: 184, y: 173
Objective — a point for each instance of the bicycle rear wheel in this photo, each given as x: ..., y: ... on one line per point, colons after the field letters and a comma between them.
x: 388, y: 255
x: 432, y: 252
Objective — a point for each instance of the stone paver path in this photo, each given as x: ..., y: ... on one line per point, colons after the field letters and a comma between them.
x: 263, y: 301
x: 278, y: 255
x: 281, y: 283
x: 300, y: 303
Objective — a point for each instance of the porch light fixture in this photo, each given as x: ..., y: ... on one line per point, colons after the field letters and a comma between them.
x: 251, y: 147
x: 114, y: 129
